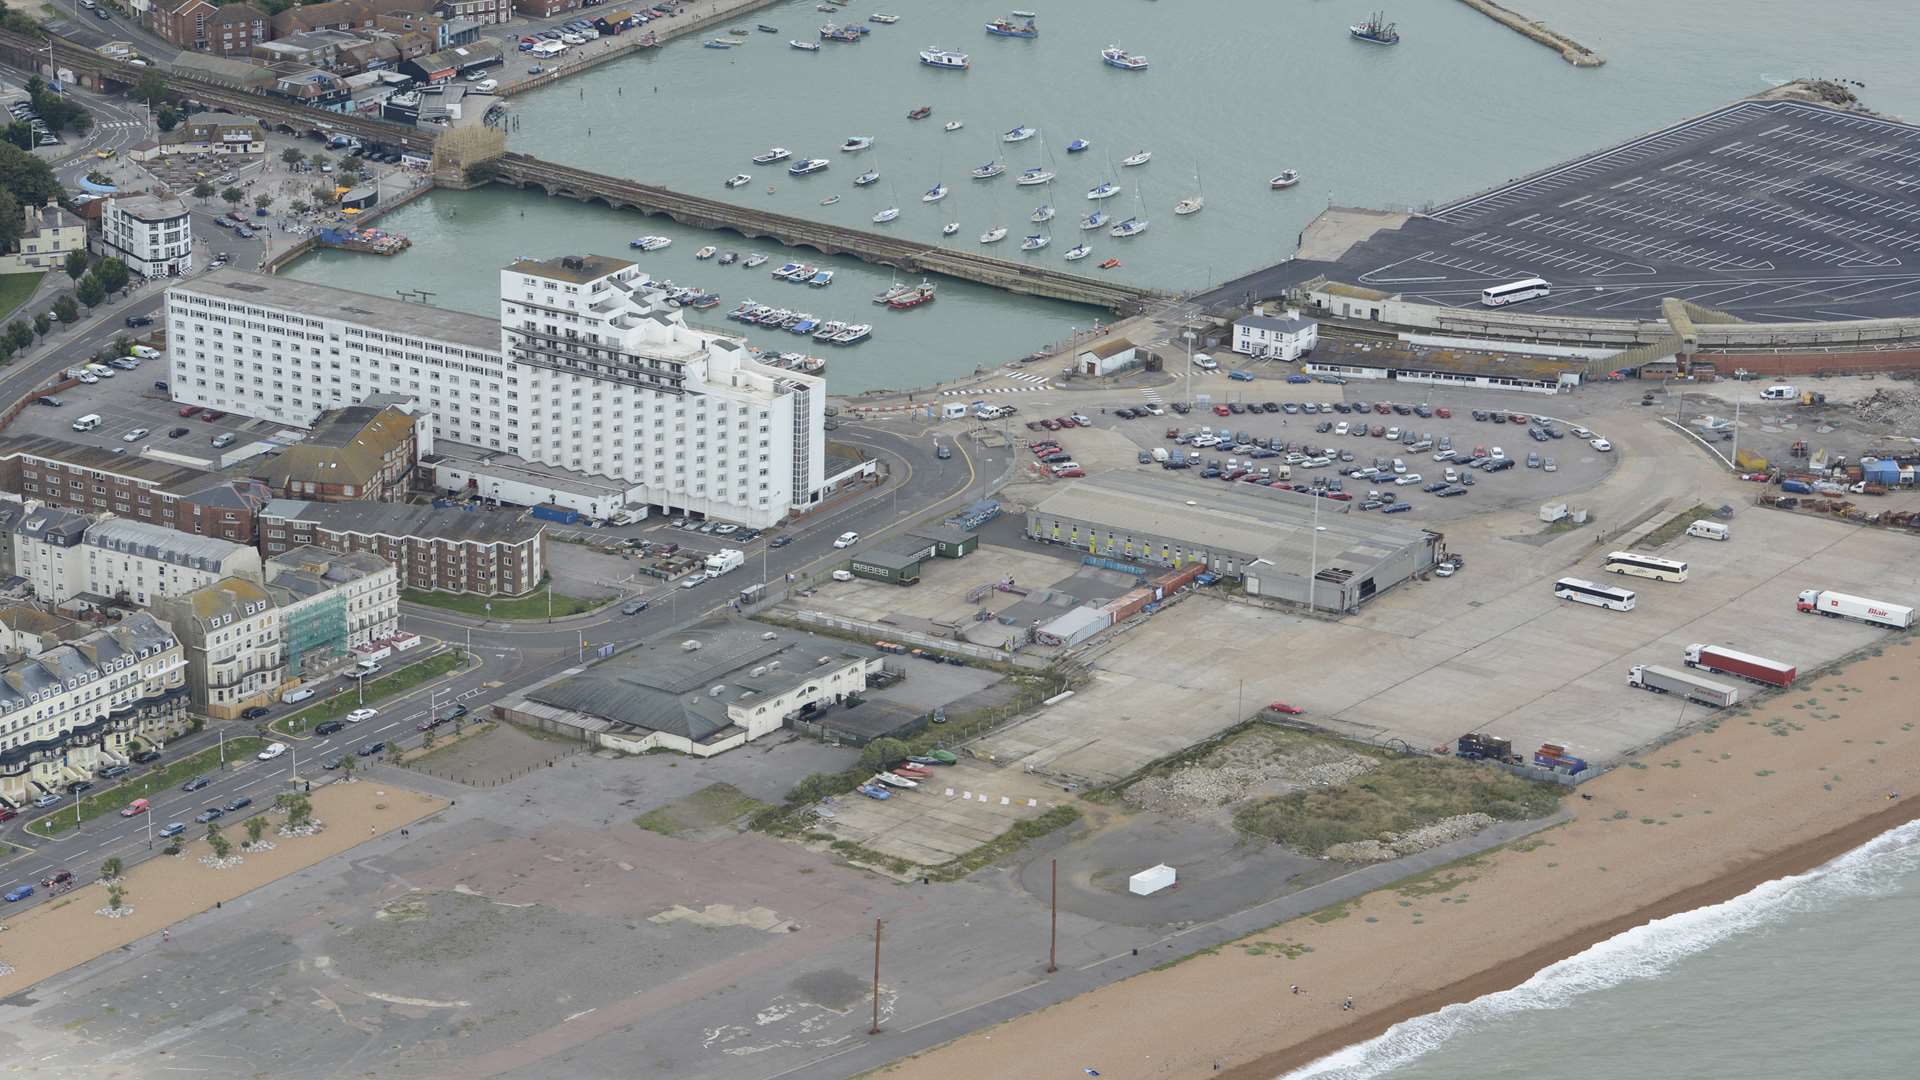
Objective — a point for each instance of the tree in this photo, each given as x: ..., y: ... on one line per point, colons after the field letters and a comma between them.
x: 111, y: 868
x: 30, y: 179
x: 168, y: 117
x: 881, y: 753
x: 19, y: 333
x: 203, y: 191
x: 299, y: 809
x: 6, y: 349
x: 67, y: 309
x: 219, y: 843
x: 427, y: 740
x: 233, y: 195
x: 76, y: 264
x: 151, y: 88
x: 42, y: 324
x: 347, y: 765
x: 292, y: 156
x: 20, y: 134
x: 113, y: 276
x: 12, y: 224
x: 256, y: 825
x: 318, y: 159
x: 299, y: 206
x: 91, y: 292
x: 323, y: 195
x: 116, y: 898
x: 262, y: 201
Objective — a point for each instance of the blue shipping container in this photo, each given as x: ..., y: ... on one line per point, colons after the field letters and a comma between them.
x: 555, y: 513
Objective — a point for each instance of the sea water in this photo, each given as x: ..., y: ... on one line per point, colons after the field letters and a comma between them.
x: 1237, y: 90
x: 1801, y: 978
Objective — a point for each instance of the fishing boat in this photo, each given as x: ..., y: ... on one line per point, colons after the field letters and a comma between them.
x: 920, y: 112
x: 896, y: 289
x: 1035, y: 242
x: 1286, y: 179
x: 768, y: 157
x: 1110, y: 264
x: 651, y: 243
x: 935, y: 193
x: 729, y: 258
x: 707, y: 252
x: 804, y: 326
x: 738, y: 179
x: 719, y: 43
x: 826, y: 330
x: 1095, y: 220
x: 804, y: 46
x: 1133, y: 226
x: 883, y: 18
x: 738, y: 32
x: 1035, y: 175
x: 886, y: 215
x: 1138, y: 157
x: 807, y: 167
x: 1020, y: 134
x: 821, y: 279
x: 1077, y: 145
x: 1106, y: 189
x: 1375, y: 31
x: 1196, y: 202
x: 846, y: 35
x: 935, y: 57
x: 994, y: 235
x: 914, y: 297
x: 856, y: 143
x: 854, y: 334
x: 955, y: 125
x: 765, y: 29
x: 755, y: 259
x: 829, y: 200
x: 866, y: 178
x: 1078, y: 252
x: 949, y: 228
x: 1008, y: 28
x: 1041, y: 214
x: 1115, y: 56
x: 990, y: 170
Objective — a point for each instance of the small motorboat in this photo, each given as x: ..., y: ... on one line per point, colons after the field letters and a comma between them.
x: 829, y: 200
x: 874, y: 791
x: 821, y: 279
x: 739, y: 32
x: 729, y: 258
x: 707, y: 252
x: 651, y: 243
x: 1138, y: 157
x: 768, y: 157
x: 990, y: 170
x: 935, y: 193
x: 865, y: 178
x: 1115, y: 56
x: 1110, y: 264
x: 935, y: 57
x: 1106, y: 190
x: 883, y: 18
x: 1077, y: 145
x: 1020, y: 134
x: 994, y: 235
x: 1035, y: 242
x: 894, y: 291
x: 738, y: 179
x: 1094, y: 220
x: 1035, y: 175
x: 754, y: 259
x: 886, y: 215
x: 1133, y: 226
x: 1040, y: 214
x: 807, y: 167
x: 920, y: 112
x: 955, y: 125
x: 765, y: 29
x: 856, y: 143
x: 949, y: 228
x: 786, y: 270
x: 1286, y: 179
x: 804, y: 46
x: 718, y: 43
x: 1078, y: 252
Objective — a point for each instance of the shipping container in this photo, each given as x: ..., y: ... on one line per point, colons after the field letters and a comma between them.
x: 1663, y: 680
x: 1842, y: 606
x: 560, y: 514
x: 1126, y: 607
x: 1729, y: 662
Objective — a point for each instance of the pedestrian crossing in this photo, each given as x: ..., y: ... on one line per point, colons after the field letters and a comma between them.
x: 1152, y: 394
x: 1026, y: 376
x: 995, y: 390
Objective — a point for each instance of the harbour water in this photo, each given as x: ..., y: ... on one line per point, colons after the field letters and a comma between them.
x: 1234, y: 94
x: 1803, y: 977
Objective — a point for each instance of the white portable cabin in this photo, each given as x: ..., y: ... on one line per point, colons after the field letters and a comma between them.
x: 1151, y: 880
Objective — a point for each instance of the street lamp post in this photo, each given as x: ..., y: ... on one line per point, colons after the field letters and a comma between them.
x: 1188, y: 334
x: 1313, y: 558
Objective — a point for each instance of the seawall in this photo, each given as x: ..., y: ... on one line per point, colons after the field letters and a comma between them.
x: 1570, y: 50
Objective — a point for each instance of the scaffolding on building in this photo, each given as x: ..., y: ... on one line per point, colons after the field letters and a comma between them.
x: 319, y: 627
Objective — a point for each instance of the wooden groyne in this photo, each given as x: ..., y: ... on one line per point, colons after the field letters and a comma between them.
x: 1570, y: 50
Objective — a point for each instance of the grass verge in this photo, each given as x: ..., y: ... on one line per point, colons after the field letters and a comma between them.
x: 711, y: 806
x: 115, y: 798
x: 1400, y: 795
x: 1672, y: 529
x: 520, y: 608
x: 15, y: 288
x: 386, y: 686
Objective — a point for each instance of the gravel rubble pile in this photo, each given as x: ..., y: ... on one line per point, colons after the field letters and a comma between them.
x: 1394, y: 845
x: 1241, y: 769
x: 1898, y: 408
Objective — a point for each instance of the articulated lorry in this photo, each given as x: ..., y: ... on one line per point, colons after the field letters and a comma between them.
x: 1746, y: 665
x: 1665, y: 680
x: 1837, y: 605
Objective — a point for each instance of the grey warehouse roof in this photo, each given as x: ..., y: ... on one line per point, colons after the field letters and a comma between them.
x: 320, y: 301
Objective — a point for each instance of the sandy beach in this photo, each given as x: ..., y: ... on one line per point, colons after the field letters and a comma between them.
x: 1767, y: 793
x: 67, y: 932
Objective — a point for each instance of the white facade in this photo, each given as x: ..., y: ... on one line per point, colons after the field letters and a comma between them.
x: 364, y: 583
x: 588, y: 369
x: 141, y: 562
x: 1275, y: 339
x: 151, y: 234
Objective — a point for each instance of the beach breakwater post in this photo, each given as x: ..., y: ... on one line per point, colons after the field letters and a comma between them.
x: 1570, y: 50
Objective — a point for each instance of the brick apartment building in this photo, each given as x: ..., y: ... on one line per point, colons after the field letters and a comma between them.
x: 361, y: 452
x: 94, y: 480
x: 203, y: 26
x: 488, y: 554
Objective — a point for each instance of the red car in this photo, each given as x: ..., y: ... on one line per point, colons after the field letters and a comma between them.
x: 1383, y: 408
x: 1290, y: 710
x: 1222, y: 410
x: 1443, y: 412
x: 1068, y: 473
x: 1065, y: 422
x: 1339, y: 496
x: 210, y: 415
x: 1050, y: 425
x: 189, y: 410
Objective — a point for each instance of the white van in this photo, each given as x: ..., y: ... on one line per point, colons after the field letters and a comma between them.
x: 1779, y: 392
x: 294, y: 696
x: 1204, y: 362
x: 87, y: 422
x: 1709, y: 530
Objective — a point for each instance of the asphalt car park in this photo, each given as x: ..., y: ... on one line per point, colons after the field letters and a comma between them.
x: 130, y: 402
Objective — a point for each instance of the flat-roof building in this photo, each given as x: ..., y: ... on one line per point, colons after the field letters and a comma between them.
x: 1274, y: 540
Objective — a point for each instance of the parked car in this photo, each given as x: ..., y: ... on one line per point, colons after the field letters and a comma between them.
x: 146, y: 756
x: 254, y: 713
x: 19, y: 893
x: 114, y: 772
x: 1601, y: 445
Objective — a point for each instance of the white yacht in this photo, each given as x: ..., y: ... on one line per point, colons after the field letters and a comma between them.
x: 1035, y: 175
x: 1138, y: 157
x: 947, y: 59
x: 855, y: 143
x: 1035, y: 242
x: 1020, y: 134
x: 1133, y: 226
x: 886, y: 215
x: 949, y: 228
x: 1078, y: 252
x: 768, y: 157
x: 994, y: 235
x: 738, y: 179
x: 1041, y: 214
x: 1107, y: 190
x: 990, y: 170
x: 935, y: 193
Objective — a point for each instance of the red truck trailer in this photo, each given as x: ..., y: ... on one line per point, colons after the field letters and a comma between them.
x: 1729, y: 662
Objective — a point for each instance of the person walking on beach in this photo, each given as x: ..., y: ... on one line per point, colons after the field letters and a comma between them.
x: 1347, y: 1006
x: 1296, y: 988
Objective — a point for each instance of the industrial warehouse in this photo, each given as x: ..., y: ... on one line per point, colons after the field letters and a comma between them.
x: 1274, y: 541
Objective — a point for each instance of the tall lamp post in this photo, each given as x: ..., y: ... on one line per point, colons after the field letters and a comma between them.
x: 1313, y: 558
x: 1188, y: 334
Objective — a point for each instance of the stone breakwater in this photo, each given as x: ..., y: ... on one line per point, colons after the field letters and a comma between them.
x: 1570, y: 50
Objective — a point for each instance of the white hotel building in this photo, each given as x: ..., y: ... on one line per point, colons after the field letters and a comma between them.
x: 587, y: 369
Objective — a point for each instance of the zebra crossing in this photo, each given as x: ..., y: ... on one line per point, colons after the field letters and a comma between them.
x: 995, y: 390
x: 1026, y: 376
x: 1152, y: 394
